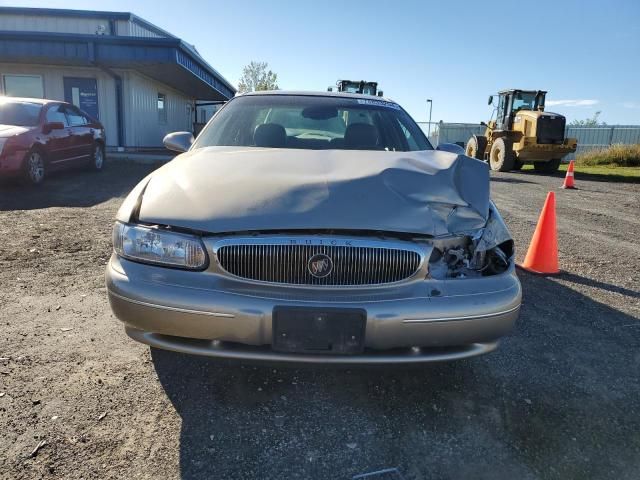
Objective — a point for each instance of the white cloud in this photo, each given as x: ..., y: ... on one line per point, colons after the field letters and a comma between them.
x: 572, y: 103
x: 631, y: 104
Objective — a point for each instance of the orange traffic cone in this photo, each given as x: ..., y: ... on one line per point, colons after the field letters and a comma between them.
x: 568, y: 179
x: 542, y: 256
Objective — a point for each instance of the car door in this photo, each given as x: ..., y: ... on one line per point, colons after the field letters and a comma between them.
x: 82, y: 134
x: 58, y: 143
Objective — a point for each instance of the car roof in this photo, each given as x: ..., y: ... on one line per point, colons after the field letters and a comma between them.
x: 317, y: 94
x: 41, y: 101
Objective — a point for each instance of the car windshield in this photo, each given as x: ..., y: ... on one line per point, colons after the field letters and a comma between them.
x: 23, y: 114
x: 313, y: 122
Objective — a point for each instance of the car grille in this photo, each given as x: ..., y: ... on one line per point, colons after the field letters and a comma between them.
x: 550, y: 130
x: 289, y: 264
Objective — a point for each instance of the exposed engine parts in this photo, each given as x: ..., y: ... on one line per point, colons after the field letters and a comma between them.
x: 489, y: 252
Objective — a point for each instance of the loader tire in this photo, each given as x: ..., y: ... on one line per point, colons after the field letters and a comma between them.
x: 476, y: 147
x: 501, y: 157
x: 547, y: 167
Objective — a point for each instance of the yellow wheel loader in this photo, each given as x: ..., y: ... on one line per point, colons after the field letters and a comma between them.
x: 361, y: 86
x: 522, y: 132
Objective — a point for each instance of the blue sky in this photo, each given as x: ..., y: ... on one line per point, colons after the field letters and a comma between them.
x: 585, y: 53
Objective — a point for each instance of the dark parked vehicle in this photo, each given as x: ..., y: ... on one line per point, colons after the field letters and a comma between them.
x: 40, y: 136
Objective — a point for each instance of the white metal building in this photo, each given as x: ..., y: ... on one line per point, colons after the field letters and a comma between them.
x: 140, y: 81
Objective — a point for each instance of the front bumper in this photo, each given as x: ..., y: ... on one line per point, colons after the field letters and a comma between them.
x: 530, y: 149
x: 11, y: 164
x: 202, y: 313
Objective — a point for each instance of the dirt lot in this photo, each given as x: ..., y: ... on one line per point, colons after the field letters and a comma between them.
x: 559, y: 399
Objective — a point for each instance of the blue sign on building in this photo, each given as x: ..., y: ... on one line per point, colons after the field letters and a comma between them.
x: 83, y: 93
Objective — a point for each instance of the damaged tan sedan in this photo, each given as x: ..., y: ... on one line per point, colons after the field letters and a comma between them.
x: 324, y: 227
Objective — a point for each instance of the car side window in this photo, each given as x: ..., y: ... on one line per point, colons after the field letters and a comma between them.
x: 56, y: 114
x: 75, y: 118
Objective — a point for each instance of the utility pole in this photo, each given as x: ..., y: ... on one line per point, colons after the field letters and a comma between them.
x: 430, y: 102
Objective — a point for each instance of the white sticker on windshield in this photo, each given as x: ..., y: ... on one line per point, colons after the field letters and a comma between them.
x: 378, y: 103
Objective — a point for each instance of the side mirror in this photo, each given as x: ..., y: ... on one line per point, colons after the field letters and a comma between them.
x: 178, y: 141
x: 451, y: 148
x: 483, y: 124
x: 490, y: 100
x: 50, y: 126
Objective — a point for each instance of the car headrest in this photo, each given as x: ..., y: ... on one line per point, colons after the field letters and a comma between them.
x: 361, y: 136
x: 270, y: 135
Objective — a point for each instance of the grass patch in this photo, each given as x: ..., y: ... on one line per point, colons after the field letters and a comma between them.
x: 618, y: 155
x: 603, y: 173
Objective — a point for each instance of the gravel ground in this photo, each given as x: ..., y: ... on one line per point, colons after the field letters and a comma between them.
x: 559, y: 399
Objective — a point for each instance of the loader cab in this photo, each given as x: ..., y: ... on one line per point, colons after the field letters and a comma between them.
x: 362, y: 87
x: 512, y: 101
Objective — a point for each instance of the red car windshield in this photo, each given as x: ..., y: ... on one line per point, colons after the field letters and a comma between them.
x: 23, y: 114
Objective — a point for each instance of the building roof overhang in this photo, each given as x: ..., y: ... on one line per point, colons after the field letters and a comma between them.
x: 167, y: 60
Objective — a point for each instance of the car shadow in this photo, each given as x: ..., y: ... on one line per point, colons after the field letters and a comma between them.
x: 558, y: 399
x: 503, y: 179
x: 74, y: 188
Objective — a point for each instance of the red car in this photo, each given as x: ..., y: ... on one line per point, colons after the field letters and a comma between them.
x: 40, y: 136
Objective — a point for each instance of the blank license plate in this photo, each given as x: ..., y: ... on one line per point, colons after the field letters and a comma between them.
x: 319, y: 330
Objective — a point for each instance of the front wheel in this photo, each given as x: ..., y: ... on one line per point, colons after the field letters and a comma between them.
x: 501, y: 157
x: 34, y: 168
x: 98, y: 157
x: 547, y: 167
x: 476, y: 147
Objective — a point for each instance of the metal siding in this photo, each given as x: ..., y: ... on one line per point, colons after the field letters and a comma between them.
x: 137, y: 30
x: 143, y: 127
x: 451, y: 132
x: 55, y: 24
x: 53, y: 81
x: 590, y: 138
x: 132, y: 29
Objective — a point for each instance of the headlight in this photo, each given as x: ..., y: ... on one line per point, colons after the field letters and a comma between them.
x: 159, y: 247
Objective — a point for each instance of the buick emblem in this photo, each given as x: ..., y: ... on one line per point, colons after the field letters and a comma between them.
x: 320, y: 265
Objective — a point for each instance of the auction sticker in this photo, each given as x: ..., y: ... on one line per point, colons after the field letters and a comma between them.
x: 378, y: 103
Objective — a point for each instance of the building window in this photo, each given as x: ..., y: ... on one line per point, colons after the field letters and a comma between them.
x: 23, y: 86
x: 162, y: 108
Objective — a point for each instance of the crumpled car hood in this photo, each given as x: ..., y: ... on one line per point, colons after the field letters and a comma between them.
x: 232, y: 189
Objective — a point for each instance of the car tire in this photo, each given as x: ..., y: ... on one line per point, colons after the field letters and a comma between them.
x: 98, y: 157
x: 501, y: 157
x: 476, y: 147
x: 547, y: 167
x: 35, y: 168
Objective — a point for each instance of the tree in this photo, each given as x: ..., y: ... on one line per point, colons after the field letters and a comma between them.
x: 255, y: 76
x: 588, y: 122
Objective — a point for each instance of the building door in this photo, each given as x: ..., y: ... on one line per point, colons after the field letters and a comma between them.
x: 83, y: 93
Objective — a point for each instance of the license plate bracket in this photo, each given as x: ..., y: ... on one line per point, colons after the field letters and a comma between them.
x: 323, y: 331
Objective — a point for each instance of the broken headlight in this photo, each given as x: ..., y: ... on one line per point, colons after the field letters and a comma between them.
x: 488, y: 252
x: 158, y: 247
x: 460, y: 260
